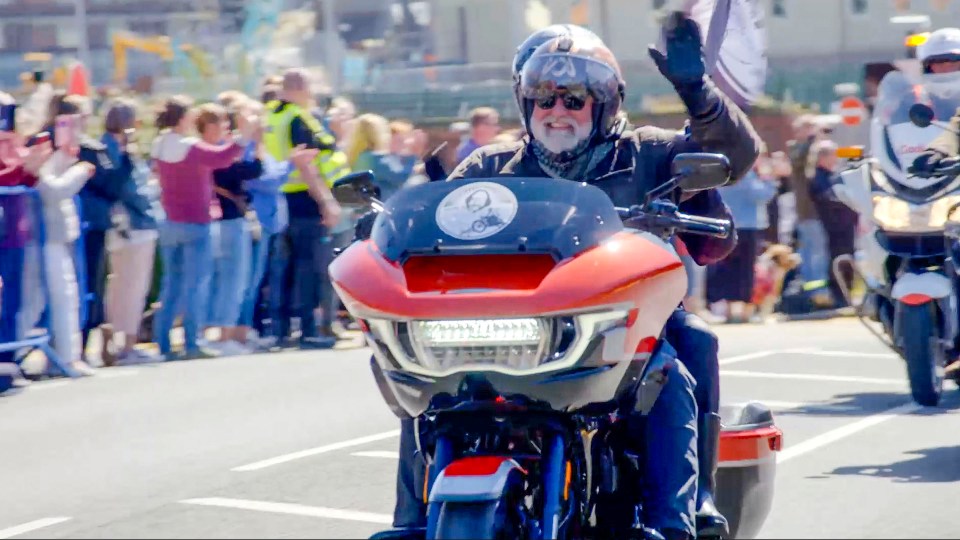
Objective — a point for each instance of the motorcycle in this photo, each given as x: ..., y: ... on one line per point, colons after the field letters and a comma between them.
x: 515, y: 319
x: 909, y: 247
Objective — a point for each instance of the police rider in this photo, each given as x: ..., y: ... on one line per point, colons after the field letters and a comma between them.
x: 570, y: 91
x: 940, y: 54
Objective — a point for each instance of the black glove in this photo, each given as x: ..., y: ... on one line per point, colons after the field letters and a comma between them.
x: 927, y: 163
x: 683, y: 65
x: 364, y: 227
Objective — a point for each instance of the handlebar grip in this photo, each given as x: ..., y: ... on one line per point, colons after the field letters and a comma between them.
x: 720, y: 228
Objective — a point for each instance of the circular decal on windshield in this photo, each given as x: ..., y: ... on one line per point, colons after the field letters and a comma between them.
x: 477, y: 210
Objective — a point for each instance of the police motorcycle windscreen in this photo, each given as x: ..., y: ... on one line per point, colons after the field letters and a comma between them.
x: 896, y: 141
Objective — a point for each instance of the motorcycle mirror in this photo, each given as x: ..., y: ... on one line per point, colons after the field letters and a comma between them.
x: 921, y: 115
x: 355, y: 188
x: 701, y: 171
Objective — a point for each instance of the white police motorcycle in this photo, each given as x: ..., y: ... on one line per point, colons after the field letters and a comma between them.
x: 909, y: 249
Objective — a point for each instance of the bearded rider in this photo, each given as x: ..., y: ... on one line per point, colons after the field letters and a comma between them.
x: 570, y: 91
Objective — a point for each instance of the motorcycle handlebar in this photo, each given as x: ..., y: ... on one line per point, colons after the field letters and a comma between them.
x: 685, y: 223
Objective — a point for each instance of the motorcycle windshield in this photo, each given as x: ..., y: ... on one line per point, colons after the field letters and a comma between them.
x: 898, y: 91
x: 901, y: 141
x: 495, y: 216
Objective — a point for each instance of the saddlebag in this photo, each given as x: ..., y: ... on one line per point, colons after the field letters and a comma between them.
x: 747, y: 467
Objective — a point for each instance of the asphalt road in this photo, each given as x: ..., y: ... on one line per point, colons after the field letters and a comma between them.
x: 299, y: 445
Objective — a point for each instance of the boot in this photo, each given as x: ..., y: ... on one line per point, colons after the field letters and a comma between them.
x: 710, y: 522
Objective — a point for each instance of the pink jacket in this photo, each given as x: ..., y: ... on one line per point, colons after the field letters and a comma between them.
x: 185, y: 166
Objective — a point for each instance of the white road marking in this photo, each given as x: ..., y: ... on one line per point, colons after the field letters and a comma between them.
x: 809, y: 377
x: 293, y: 509
x: 792, y: 451
x: 316, y: 451
x: 851, y: 354
x: 745, y: 357
x: 378, y: 454
x: 32, y: 526
x: 810, y: 351
x: 765, y: 354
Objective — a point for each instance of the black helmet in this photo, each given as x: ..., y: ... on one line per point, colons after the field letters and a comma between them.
x: 582, y: 67
x: 542, y: 36
x: 537, y: 39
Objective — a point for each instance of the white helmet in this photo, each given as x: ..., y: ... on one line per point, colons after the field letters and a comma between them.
x: 942, y: 45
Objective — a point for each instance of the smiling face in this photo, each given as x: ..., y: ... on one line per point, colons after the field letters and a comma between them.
x: 560, y: 129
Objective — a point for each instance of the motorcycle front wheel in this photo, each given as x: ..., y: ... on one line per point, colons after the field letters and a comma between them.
x: 921, y: 350
x: 469, y: 521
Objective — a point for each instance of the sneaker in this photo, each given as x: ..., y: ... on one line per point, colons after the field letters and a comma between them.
x: 201, y: 353
x: 231, y: 348
x: 316, y: 343
x: 83, y: 369
x: 136, y: 357
x: 261, y: 344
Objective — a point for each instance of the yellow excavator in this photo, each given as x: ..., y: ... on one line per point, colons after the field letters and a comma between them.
x: 162, y: 46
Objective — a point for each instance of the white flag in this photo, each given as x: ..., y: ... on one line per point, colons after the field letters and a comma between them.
x: 739, y: 58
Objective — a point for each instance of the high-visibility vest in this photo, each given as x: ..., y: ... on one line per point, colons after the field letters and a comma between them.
x: 331, y: 163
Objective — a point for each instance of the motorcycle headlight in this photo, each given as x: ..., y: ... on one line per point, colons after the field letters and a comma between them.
x: 510, y: 343
x: 939, y: 210
x: 893, y: 213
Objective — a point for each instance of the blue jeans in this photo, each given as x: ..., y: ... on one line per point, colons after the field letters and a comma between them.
x: 699, y: 348
x: 231, y: 269
x: 302, y: 254
x: 187, y: 266
x: 258, y: 268
x: 670, y: 469
x: 812, y: 237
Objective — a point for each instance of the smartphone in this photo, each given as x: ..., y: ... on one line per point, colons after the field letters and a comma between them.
x: 8, y: 117
x: 66, y: 130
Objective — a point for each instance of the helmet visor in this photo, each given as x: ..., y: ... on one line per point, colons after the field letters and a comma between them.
x: 545, y: 75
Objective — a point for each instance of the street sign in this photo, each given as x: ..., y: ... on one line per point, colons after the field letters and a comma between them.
x: 852, y: 110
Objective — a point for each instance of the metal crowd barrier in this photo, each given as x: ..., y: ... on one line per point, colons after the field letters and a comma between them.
x: 22, y: 238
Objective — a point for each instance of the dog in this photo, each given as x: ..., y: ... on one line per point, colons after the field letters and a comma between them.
x: 770, y: 269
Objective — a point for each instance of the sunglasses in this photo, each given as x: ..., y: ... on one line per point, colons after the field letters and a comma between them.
x: 571, y: 101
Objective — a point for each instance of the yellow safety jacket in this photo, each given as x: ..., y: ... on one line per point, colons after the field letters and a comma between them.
x: 331, y: 163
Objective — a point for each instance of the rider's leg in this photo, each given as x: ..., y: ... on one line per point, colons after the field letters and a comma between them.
x: 670, y: 464
x: 698, y: 346
x: 410, y: 510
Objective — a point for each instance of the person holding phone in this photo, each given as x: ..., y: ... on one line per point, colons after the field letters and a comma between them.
x: 185, y: 165
x: 60, y: 179
x: 132, y: 241
x: 19, y: 166
x: 66, y: 123
x: 232, y: 229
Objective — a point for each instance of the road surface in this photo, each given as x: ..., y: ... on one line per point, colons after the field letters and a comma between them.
x: 299, y: 445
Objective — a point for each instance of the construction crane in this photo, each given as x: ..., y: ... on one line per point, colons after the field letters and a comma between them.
x: 158, y: 45
x: 161, y: 46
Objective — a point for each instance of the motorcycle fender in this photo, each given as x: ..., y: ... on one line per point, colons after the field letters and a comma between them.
x: 474, y: 479
x: 917, y: 289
